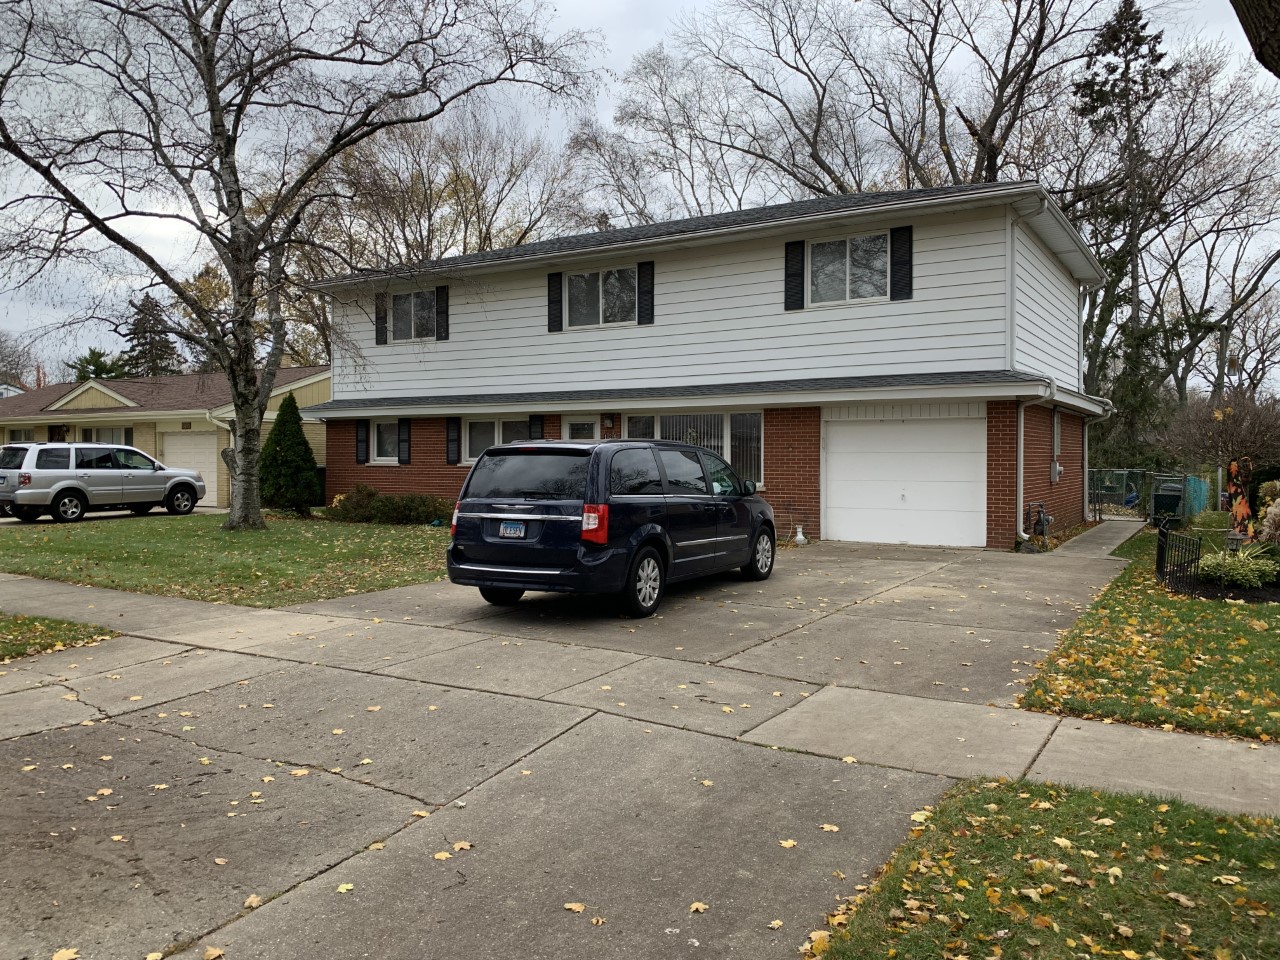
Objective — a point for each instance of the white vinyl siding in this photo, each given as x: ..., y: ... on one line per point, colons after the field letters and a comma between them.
x: 719, y: 318
x: 1046, y: 310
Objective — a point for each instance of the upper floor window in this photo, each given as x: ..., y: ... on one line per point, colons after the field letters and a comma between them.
x: 604, y: 296
x: 855, y: 268
x: 413, y: 315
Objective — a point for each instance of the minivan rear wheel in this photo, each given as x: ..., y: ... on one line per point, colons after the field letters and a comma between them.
x: 646, y: 582
x: 762, y: 552
x: 501, y: 596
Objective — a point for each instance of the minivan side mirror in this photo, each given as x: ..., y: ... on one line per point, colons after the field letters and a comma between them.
x: 749, y: 486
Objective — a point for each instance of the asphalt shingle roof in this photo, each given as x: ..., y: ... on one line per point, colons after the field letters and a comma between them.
x: 191, y: 391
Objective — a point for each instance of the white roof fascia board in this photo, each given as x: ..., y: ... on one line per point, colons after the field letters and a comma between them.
x: 999, y: 194
x: 85, y: 388
x: 725, y: 401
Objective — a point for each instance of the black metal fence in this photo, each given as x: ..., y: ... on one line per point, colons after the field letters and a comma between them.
x: 1177, y: 560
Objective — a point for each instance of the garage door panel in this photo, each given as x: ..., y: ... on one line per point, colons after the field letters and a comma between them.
x: 921, y: 466
x: 194, y: 451
x: 917, y: 481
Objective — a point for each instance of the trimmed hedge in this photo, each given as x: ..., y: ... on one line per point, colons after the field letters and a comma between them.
x: 364, y: 504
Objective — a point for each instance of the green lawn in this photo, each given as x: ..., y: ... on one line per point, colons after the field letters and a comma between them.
x: 1144, y: 656
x: 1014, y: 870
x: 20, y: 636
x: 293, y: 561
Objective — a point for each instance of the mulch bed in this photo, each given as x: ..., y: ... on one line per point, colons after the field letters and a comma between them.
x: 1212, y: 591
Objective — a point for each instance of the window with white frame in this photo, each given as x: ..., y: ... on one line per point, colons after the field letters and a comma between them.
x: 480, y: 435
x: 23, y: 435
x: 853, y: 268
x: 581, y: 428
x: 385, y: 441
x: 603, y: 296
x: 738, y: 437
x: 413, y: 315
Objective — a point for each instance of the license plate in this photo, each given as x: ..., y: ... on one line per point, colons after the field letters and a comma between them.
x: 512, y: 529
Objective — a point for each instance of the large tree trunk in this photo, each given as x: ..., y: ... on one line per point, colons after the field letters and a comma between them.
x: 246, y: 500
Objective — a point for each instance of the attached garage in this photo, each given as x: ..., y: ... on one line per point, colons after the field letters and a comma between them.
x: 905, y: 473
x: 195, y: 450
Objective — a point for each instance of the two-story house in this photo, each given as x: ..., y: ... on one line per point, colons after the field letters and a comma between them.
x: 896, y: 367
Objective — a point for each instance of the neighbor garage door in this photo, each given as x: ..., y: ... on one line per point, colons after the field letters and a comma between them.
x: 911, y: 480
x: 195, y: 451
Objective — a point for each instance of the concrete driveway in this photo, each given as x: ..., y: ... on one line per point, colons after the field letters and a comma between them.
x: 416, y: 774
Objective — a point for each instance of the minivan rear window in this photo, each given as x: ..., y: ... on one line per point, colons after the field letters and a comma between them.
x: 11, y: 458
x: 530, y: 474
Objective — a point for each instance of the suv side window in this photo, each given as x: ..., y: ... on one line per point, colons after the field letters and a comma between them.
x: 56, y: 458
x: 684, y: 471
x: 132, y: 459
x: 724, y: 482
x: 634, y: 473
x: 94, y: 458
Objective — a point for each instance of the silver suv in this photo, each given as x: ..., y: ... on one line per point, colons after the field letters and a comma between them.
x: 68, y: 479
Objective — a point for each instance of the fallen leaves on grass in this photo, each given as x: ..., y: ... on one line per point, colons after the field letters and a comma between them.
x: 1004, y: 870
x: 1142, y: 655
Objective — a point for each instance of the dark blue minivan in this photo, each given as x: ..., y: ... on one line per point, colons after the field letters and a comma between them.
x: 612, y: 516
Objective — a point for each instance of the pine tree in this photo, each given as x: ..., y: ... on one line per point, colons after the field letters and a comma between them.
x: 288, y: 468
x: 151, y: 351
x: 97, y: 364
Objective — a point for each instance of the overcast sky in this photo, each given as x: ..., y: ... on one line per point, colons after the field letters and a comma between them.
x: 628, y: 27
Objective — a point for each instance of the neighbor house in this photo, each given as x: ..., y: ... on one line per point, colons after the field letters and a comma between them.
x: 889, y: 367
x: 182, y: 420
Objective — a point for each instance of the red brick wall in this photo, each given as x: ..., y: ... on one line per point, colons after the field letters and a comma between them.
x: 1063, y: 500
x: 1002, y: 465
x: 426, y: 472
x: 793, y: 469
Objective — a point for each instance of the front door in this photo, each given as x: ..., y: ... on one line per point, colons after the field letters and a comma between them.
x: 96, y: 472
x: 691, y: 514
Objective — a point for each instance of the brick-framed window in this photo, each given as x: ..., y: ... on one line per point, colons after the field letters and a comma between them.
x: 738, y: 437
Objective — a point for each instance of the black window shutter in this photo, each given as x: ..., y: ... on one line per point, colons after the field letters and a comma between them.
x: 793, y: 276
x: 379, y: 320
x: 535, y: 427
x: 555, y: 302
x: 362, y: 441
x: 402, y: 440
x: 644, y: 292
x: 453, y: 439
x: 442, y: 312
x: 900, y: 263
x: 128, y: 436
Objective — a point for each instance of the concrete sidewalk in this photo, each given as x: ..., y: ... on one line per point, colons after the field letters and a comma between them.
x: 633, y: 766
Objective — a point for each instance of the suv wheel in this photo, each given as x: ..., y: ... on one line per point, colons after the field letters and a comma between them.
x: 501, y: 596
x: 181, y: 501
x: 762, y: 551
x: 646, y: 582
x: 69, y: 507
x: 26, y: 514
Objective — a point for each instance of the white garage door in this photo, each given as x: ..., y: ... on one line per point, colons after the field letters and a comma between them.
x: 906, y: 481
x: 195, y: 451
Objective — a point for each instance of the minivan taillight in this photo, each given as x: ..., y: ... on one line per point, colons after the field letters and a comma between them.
x: 595, y: 522
x: 24, y: 479
x: 453, y: 524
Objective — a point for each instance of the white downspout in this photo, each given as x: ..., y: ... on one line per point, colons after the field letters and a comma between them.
x: 1022, y: 405
x: 1108, y: 409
